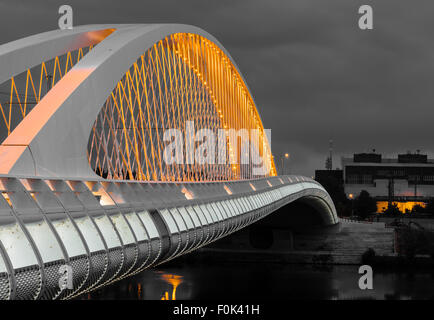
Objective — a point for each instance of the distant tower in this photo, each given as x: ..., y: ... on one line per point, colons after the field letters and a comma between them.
x: 329, y: 160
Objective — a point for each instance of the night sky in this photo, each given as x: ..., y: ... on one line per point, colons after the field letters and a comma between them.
x: 313, y: 73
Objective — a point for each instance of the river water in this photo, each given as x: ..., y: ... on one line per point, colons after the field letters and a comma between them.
x: 268, y: 281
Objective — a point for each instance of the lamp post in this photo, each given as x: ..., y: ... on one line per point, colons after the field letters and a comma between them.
x: 351, y: 196
x: 285, y: 156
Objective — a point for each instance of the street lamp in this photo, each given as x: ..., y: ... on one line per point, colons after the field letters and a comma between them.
x: 285, y: 156
x: 351, y: 196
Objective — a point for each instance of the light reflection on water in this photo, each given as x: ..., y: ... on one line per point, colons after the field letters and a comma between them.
x: 174, y: 280
x: 265, y: 281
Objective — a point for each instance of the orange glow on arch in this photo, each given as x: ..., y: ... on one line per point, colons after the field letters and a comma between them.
x: 9, y: 155
x: 183, y: 77
x: 25, y: 132
x: 228, y: 191
x: 99, y: 35
x: 187, y: 193
x: 206, y: 76
x: 20, y: 132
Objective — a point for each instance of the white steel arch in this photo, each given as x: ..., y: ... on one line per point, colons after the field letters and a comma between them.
x: 52, y: 139
x: 55, y: 211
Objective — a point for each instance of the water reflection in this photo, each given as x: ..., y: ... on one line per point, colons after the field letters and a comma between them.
x: 174, y: 280
x: 139, y: 291
x: 267, y: 281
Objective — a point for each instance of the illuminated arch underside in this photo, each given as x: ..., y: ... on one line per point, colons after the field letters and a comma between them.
x: 55, y: 211
x: 183, y: 77
x: 139, y: 81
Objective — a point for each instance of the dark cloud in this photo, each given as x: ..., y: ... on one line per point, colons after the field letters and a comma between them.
x: 313, y: 73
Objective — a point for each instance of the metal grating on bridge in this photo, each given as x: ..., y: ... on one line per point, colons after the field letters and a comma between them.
x: 107, y: 230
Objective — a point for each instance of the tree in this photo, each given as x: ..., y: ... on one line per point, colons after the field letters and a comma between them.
x: 364, y: 204
x: 335, y: 189
x: 430, y: 207
x: 392, y: 210
x: 418, y: 209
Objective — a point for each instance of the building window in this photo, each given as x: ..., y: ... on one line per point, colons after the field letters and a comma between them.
x: 352, y: 178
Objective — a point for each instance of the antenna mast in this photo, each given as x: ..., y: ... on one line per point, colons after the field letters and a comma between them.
x: 329, y: 161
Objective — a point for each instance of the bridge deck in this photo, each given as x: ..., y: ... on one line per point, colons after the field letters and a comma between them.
x: 106, y: 230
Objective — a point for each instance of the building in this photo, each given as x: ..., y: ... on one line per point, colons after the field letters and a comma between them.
x: 407, y: 180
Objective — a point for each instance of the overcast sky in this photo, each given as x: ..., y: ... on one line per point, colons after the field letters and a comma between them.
x: 313, y: 73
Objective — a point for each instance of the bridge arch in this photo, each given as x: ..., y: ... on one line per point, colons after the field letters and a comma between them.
x: 54, y: 208
x: 52, y: 139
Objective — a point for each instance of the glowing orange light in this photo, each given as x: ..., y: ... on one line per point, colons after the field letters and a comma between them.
x: 173, y: 280
x: 229, y: 191
x: 402, y: 206
x: 187, y: 193
x: 204, y: 89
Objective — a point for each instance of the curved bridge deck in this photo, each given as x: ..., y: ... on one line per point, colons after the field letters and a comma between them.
x: 105, y: 116
x: 101, y: 231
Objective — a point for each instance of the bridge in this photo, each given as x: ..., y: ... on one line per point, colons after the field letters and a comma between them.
x: 107, y: 156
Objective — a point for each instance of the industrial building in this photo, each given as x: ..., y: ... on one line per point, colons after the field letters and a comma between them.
x: 407, y: 180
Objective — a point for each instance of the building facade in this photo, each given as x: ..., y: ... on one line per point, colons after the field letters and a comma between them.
x: 407, y: 180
